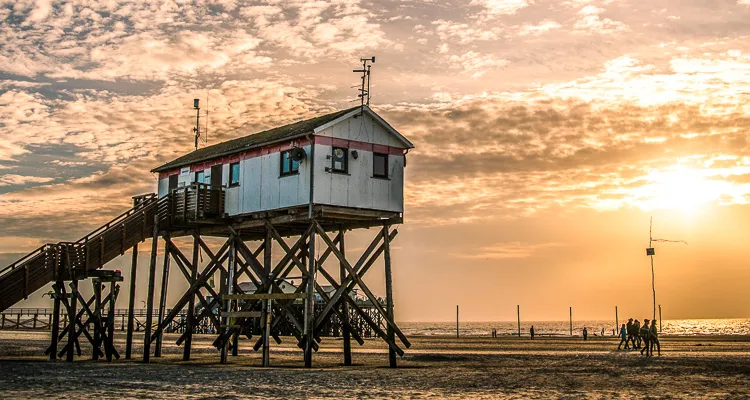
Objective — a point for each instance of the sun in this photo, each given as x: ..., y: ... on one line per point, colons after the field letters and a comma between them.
x: 679, y: 188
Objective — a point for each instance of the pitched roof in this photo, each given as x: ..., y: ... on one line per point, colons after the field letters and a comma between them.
x: 281, y: 133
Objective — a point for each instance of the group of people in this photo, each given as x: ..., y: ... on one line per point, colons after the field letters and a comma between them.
x: 644, y: 337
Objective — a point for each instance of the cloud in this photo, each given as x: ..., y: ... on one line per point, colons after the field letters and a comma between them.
x: 12, y: 179
x: 506, y: 250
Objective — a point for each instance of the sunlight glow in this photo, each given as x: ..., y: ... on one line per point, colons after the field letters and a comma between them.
x: 679, y: 189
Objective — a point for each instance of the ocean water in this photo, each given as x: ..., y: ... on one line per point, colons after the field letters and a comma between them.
x: 562, y: 328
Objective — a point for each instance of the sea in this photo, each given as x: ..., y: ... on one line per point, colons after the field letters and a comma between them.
x: 687, y: 327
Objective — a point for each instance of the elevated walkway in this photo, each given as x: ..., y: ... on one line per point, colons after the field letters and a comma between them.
x: 67, y: 260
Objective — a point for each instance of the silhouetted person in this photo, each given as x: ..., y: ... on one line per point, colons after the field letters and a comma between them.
x: 585, y: 333
x: 629, y: 327
x: 623, y: 338
x: 645, y: 336
x: 654, y: 337
x: 531, y: 332
x: 636, y: 335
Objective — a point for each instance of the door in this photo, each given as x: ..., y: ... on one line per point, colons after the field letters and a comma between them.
x: 173, y: 182
x: 216, y: 175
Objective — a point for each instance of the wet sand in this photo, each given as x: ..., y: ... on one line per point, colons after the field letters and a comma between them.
x: 437, y: 367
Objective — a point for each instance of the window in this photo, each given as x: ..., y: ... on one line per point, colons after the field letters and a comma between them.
x: 380, y: 165
x: 339, y: 160
x: 288, y: 166
x: 199, y: 177
x: 234, y: 174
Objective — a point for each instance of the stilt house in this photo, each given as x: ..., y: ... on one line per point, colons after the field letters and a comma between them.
x: 349, y: 159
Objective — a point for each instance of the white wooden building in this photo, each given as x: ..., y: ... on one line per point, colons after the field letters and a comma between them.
x: 354, y: 158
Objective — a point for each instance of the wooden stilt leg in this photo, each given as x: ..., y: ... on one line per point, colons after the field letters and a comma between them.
x: 97, y: 284
x: 131, y: 304
x: 389, y: 293
x: 266, y: 320
x: 163, y: 296
x: 228, y: 303
x: 109, y: 345
x: 310, y: 302
x: 150, y: 294
x: 71, y: 320
x: 345, y: 308
x: 55, y: 320
x: 190, y: 317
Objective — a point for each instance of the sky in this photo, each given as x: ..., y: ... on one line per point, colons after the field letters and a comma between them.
x: 547, y: 134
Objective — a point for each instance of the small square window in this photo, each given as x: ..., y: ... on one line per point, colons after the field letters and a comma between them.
x: 288, y: 165
x: 199, y: 177
x: 234, y: 174
x: 340, y: 160
x: 380, y: 165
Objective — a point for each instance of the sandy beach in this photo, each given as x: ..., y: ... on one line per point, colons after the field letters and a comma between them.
x: 437, y: 367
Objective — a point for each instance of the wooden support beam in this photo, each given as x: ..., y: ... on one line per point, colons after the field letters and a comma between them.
x: 72, y: 318
x: 266, y: 318
x: 353, y: 274
x: 310, y: 301
x: 150, y: 293
x: 131, y: 303
x: 229, y: 287
x: 55, y: 320
x: 95, y: 317
x: 163, y: 294
x: 344, y: 316
x: 389, y: 293
x: 241, y: 314
x: 190, y: 316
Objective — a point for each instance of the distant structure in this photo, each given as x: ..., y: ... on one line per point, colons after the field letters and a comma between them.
x: 283, y: 190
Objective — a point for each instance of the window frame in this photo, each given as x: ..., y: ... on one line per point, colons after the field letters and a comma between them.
x: 333, y: 169
x: 385, y: 157
x: 289, y: 162
x: 199, y: 174
x: 231, y: 174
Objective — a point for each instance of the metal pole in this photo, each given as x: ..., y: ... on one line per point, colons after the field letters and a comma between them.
x: 456, y: 320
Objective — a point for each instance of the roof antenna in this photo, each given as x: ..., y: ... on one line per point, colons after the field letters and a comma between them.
x: 205, y: 133
x: 197, y: 129
x: 364, y: 93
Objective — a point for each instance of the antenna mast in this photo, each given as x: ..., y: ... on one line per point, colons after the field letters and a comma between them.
x: 197, y: 129
x: 364, y: 91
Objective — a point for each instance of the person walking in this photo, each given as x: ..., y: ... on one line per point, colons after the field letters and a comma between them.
x: 585, y: 333
x: 654, y: 337
x: 645, y: 336
x: 629, y: 326
x: 623, y: 338
x: 636, y: 335
x: 531, y: 332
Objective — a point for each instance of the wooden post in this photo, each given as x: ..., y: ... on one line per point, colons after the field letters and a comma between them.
x: 345, y: 307
x: 55, y: 321
x: 456, y: 320
x: 266, y: 318
x: 131, y: 304
x: 229, y: 289
x: 163, y: 295
x: 190, y: 317
x: 389, y: 293
x: 310, y: 300
x: 150, y: 294
x: 109, y: 345
x: 518, y: 312
x: 659, y: 318
x: 617, y: 322
x: 97, y: 284
x: 571, y: 321
x: 72, y: 320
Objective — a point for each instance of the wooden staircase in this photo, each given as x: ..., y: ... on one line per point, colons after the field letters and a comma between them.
x: 67, y: 260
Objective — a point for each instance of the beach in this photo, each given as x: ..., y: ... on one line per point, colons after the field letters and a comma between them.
x: 435, y: 366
